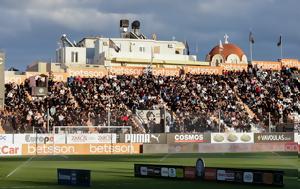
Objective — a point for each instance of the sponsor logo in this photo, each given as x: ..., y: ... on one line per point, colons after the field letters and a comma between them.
x: 189, y: 138
x: 221, y: 175
x: 64, y: 177
x: 232, y: 137
x: 142, y: 138
x: 210, y: 174
x: 257, y: 177
x: 291, y: 147
x: 157, y: 171
x: 224, y: 175
x: 39, y: 139
x: 10, y: 150
x: 164, y: 172
x: 189, y: 173
x: 238, y: 176
x: 150, y: 171
x: 79, y: 138
x: 144, y: 171
x: 248, y: 177
x: 84, y: 149
x: 172, y: 172
x: 267, y: 178
x: 179, y: 173
x: 274, y: 137
x: 2, y: 137
x: 91, y: 138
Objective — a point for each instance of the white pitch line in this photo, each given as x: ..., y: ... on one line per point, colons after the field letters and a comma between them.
x: 286, y: 161
x: 20, y: 187
x: 165, y: 157
x: 27, y: 161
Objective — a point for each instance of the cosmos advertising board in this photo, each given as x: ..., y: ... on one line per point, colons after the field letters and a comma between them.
x: 79, y: 149
x: 10, y: 149
x: 155, y: 138
x: 232, y: 138
x: 102, y: 138
x: 39, y: 139
x: 188, y: 138
x: 273, y: 137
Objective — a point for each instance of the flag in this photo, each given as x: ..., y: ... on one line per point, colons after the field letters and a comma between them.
x: 114, y: 46
x: 187, y: 47
x: 279, y: 42
x: 251, y: 38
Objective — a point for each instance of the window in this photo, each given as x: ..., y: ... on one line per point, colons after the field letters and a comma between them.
x: 142, y: 49
x: 76, y: 57
x: 72, y: 57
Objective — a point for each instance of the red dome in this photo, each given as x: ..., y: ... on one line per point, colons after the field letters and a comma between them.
x: 228, y: 49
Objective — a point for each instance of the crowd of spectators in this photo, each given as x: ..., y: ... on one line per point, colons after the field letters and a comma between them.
x: 272, y: 96
x: 195, y: 103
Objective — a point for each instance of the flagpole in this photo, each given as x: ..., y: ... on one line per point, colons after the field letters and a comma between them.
x: 250, y: 51
x: 281, y: 51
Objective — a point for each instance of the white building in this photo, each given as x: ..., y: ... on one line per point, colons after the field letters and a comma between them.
x: 131, y: 49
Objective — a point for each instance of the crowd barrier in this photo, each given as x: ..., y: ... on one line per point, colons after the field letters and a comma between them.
x: 112, y: 143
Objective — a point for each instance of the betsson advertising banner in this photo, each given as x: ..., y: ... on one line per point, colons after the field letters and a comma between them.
x: 232, y: 138
x: 80, y: 149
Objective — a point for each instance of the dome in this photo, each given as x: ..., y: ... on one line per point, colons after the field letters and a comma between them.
x: 226, y: 53
x: 228, y: 49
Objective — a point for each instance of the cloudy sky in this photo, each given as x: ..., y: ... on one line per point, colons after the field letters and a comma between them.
x: 30, y: 29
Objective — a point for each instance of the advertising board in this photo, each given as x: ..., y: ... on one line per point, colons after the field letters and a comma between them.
x: 79, y: 149
x: 188, y: 138
x: 273, y: 137
x: 232, y: 138
x: 6, y: 139
x: 102, y: 138
x: 183, y: 148
x: 39, y: 139
x: 75, y: 177
x: 10, y: 149
x: 159, y: 171
x: 155, y: 138
x: 246, y: 176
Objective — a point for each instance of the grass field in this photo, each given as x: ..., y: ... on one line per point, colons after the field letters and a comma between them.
x: 117, y: 171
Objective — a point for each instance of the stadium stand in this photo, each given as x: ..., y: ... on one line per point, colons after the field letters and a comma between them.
x: 239, y: 101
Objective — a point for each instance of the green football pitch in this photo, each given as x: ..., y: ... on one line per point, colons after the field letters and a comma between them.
x: 116, y: 171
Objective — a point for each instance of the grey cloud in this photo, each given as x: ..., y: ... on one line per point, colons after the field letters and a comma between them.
x: 30, y: 29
